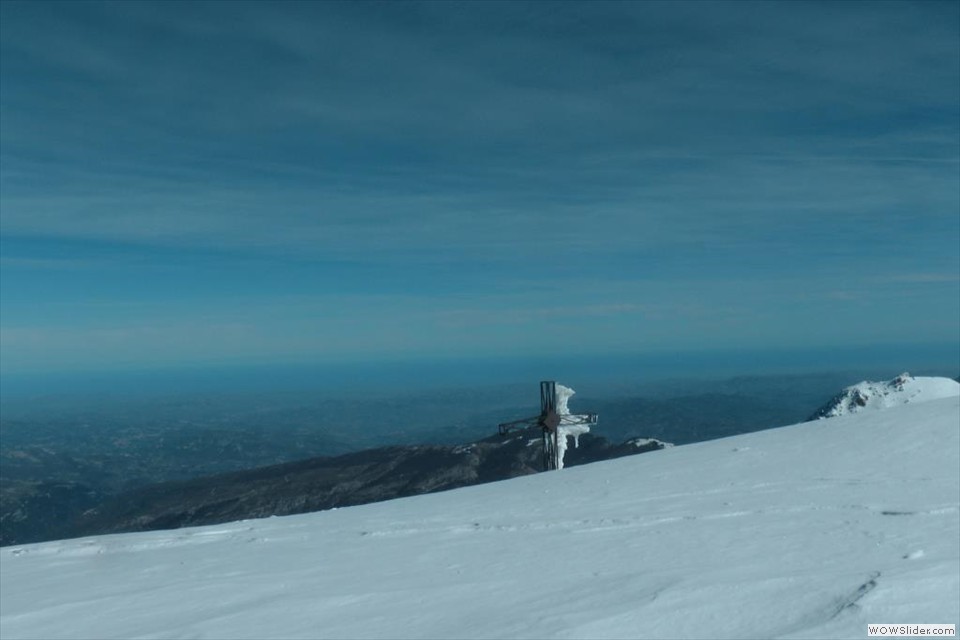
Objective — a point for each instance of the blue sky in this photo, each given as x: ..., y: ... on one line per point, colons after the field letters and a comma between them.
x: 209, y: 184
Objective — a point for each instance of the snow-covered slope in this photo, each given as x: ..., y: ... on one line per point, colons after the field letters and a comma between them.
x: 872, y: 396
x: 812, y: 530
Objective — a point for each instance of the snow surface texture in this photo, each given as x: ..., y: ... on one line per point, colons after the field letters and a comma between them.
x: 808, y: 531
x: 871, y: 396
x: 568, y: 428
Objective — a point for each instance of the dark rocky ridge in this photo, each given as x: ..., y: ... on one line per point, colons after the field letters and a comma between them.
x: 324, y: 483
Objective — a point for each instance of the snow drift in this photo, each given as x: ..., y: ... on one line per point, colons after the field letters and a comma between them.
x: 808, y: 531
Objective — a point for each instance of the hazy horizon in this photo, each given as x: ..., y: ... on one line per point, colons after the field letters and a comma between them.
x: 404, y: 376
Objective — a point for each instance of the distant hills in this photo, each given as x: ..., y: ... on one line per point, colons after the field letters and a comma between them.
x: 198, y: 460
x: 325, y: 483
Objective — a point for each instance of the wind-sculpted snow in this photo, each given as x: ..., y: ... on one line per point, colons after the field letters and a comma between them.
x: 808, y: 531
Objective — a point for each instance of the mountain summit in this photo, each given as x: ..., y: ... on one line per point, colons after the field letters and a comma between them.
x: 872, y: 396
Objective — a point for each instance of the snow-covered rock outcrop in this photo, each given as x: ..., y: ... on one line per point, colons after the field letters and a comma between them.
x: 872, y: 396
x: 649, y: 442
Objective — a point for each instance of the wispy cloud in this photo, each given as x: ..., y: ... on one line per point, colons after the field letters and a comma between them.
x: 924, y: 278
x: 675, y: 160
x: 49, y: 264
x: 354, y: 129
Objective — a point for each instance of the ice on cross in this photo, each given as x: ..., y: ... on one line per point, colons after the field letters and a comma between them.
x: 571, y: 426
x: 556, y: 423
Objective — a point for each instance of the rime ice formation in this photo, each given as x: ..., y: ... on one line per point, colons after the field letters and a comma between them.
x: 563, y: 398
x: 565, y: 431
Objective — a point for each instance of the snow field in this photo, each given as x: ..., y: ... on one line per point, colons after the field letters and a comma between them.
x: 811, y: 530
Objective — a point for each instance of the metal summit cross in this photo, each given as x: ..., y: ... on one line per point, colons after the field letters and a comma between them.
x: 553, y: 418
